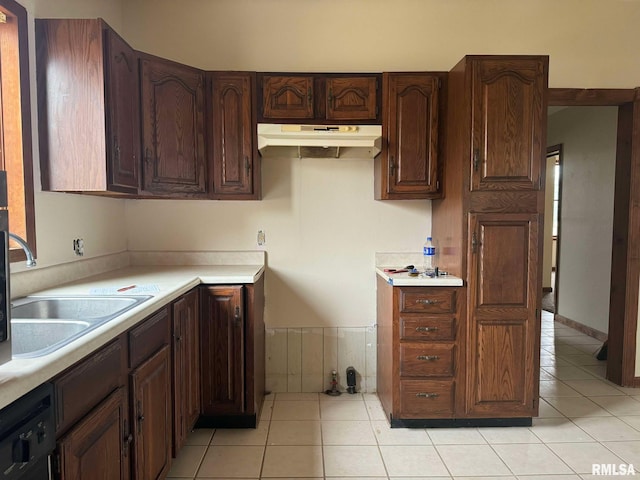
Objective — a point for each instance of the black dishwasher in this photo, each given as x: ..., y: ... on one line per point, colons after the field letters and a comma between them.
x: 27, y: 436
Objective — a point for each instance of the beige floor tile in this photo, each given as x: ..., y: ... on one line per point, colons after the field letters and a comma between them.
x: 545, y: 410
x: 349, y: 461
x: 200, y: 436
x: 186, y: 464
x: 577, y: 407
x: 231, y: 462
x: 531, y: 459
x: 455, y: 436
x: 375, y: 411
x: 548, y: 477
x: 607, y: 429
x: 412, y: 460
x: 619, y: 405
x: 584, y: 359
x: 546, y: 375
x: 292, y: 410
x: 634, y: 421
x: 291, y: 396
x: 467, y: 460
x: 551, y: 430
x: 628, y: 451
x: 293, y: 461
x: 347, y: 432
x: 599, y: 371
x: 337, y: 410
x: 399, y: 436
x: 593, y: 388
x: 581, y: 456
x: 498, y: 435
x: 267, y: 410
x: 241, y: 436
x: 345, y: 397
x: 421, y: 478
x: 569, y: 372
x: 556, y: 388
x: 295, y: 432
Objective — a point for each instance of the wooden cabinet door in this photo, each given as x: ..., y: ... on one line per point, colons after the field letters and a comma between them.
x: 411, y: 103
x: 233, y: 132
x: 351, y: 98
x: 173, y: 129
x: 509, y: 114
x: 98, y: 446
x: 503, y: 335
x: 186, y: 367
x: 123, y: 113
x: 286, y: 97
x: 151, y: 396
x: 222, y: 350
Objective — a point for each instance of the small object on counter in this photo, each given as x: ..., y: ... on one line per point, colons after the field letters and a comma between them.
x: 395, y: 270
x: 410, y: 267
x: 414, y: 273
x: 124, y: 289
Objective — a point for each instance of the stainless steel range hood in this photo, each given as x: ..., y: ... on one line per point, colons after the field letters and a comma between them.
x: 319, y: 141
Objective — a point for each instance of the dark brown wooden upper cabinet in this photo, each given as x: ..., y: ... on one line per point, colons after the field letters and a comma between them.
x: 235, y: 162
x: 88, y: 79
x: 508, y: 112
x: 407, y: 167
x: 287, y: 97
x: 321, y: 98
x: 351, y: 98
x: 173, y: 129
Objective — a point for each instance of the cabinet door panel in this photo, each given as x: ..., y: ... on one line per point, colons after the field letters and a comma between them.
x: 222, y: 347
x: 509, y: 111
x: 233, y: 131
x: 412, y: 135
x: 123, y: 114
x: 503, y: 326
x: 97, y: 447
x: 152, y: 405
x: 173, y: 128
x: 287, y: 97
x: 352, y: 98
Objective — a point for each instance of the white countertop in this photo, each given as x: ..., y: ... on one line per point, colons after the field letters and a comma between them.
x: 163, y: 283
x: 403, y: 279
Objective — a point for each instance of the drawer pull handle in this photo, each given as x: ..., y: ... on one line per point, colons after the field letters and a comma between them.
x: 427, y: 395
x: 428, y: 358
x: 426, y: 329
x: 427, y: 301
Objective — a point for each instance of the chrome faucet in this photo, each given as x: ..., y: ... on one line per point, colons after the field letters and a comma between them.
x: 31, y: 262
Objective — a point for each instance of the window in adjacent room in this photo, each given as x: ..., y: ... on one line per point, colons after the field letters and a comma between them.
x: 15, y: 123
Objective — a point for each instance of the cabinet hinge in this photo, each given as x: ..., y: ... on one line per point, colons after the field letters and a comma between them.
x: 437, y: 184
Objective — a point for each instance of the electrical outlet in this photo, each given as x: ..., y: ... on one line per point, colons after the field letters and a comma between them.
x: 261, y: 239
x: 78, y: 246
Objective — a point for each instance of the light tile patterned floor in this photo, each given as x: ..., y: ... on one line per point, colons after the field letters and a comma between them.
x: 584, y: 419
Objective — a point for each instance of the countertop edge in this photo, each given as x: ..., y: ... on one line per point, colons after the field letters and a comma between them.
x: 404, y: 280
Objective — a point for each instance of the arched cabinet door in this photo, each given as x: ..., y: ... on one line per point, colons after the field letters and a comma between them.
x: 173, y: 129
x: 508, y: 113
x: 235, y: 163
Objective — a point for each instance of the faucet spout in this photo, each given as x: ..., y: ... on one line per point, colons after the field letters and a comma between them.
x: 31, y: 261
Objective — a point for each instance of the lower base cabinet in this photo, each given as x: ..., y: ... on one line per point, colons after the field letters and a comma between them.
x: 98, y: 446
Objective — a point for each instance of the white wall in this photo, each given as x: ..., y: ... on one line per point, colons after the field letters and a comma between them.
x: 59, y: 217
x: 588, y: 136
x: 322, y: 228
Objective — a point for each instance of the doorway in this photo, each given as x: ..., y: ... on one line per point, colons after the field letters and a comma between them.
x: 552, y: 228
x: 625, y: 264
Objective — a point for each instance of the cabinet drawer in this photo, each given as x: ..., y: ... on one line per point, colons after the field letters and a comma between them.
x: 86, y: 384
x: 425, y: 360
x: 148, y: 337
x: 427, y: 328
x: 426, y: 399
x: 427, y: 300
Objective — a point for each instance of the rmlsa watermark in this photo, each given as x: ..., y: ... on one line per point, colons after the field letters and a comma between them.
x: 612, y: 469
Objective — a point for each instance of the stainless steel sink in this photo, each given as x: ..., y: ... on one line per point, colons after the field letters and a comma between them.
x: 41, y: 325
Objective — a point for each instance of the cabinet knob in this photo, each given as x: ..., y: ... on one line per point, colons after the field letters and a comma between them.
x: 428, y: 358
x: 392, y: 166
x: 426, y: 329
x: 476, y: 159
x: 427, y: 395
x: 427, y: 301
x: 247, y: 164
x: 237, y: 316
x: 309, y: 95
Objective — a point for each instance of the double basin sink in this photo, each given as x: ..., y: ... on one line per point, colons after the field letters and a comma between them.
x: 42, y: 325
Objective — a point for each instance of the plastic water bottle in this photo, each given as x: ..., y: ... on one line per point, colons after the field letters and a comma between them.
x: 428, y: 256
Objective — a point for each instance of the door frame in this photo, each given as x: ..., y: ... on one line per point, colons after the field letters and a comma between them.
x: 556, y: 150
x: 625, y: 256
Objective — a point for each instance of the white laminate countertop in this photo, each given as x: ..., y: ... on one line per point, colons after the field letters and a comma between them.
x: 403, y: 279
x: 163, y: 283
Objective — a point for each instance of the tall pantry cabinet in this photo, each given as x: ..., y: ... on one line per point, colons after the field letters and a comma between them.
x: 489, y: 225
